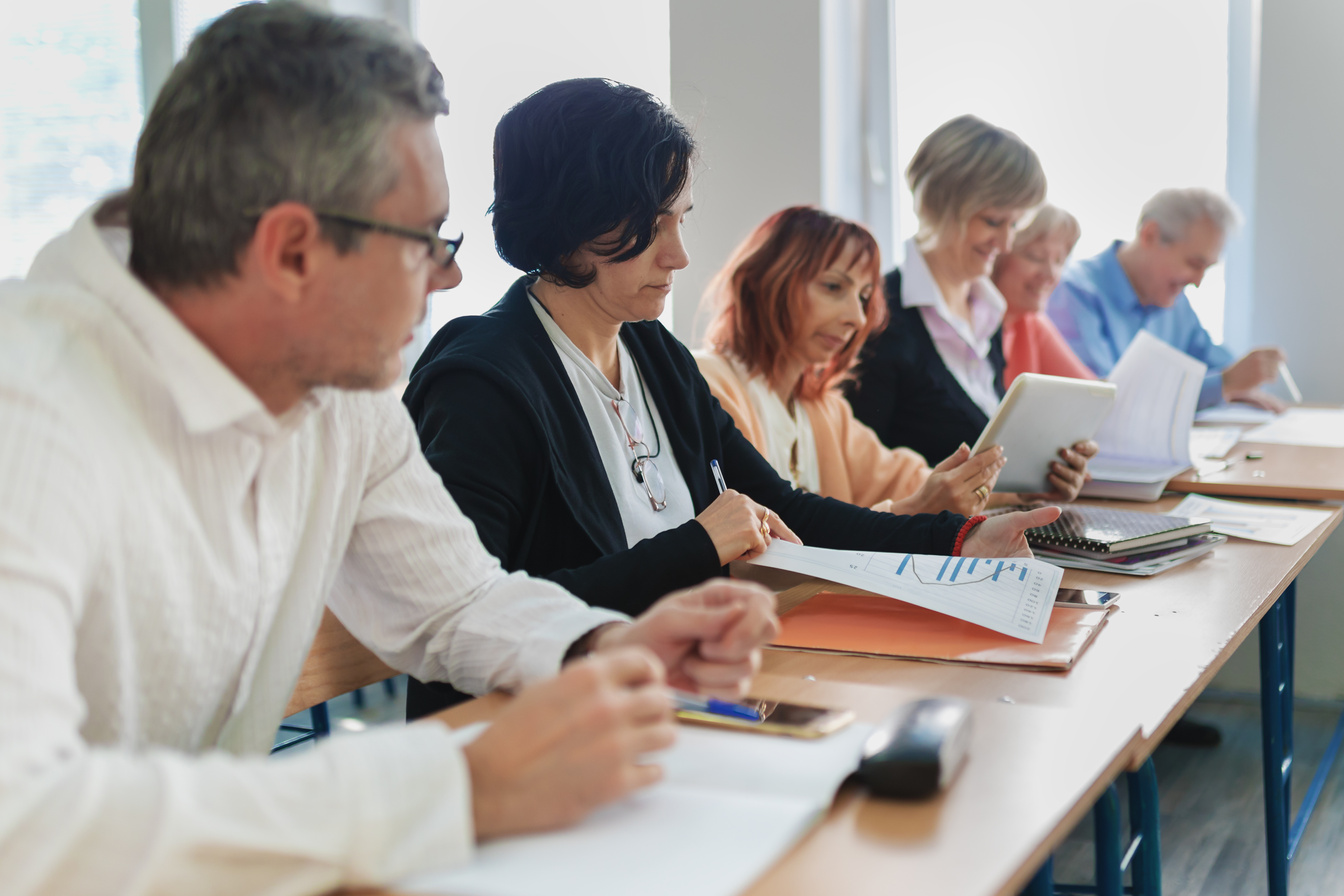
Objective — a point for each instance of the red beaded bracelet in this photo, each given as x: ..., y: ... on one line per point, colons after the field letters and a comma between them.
x: 966, y: 530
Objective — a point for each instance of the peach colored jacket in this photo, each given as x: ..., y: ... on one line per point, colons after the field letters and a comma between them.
x: 852, y: 463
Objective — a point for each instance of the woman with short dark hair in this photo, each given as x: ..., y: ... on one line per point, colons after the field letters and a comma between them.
x: 570, y: 425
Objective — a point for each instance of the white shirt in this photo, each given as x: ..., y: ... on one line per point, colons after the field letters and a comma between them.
x: 788, y: 436
x: 166, y: 549
x: 963, y: 347
x: 596, y: 393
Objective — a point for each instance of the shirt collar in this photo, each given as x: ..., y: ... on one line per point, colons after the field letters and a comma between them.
x: 1117, y: 287
x: 919, y: 289
x: 208, y: 395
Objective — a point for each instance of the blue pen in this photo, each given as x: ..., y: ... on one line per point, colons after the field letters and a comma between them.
x: 714, y: 706
x: 718, y: 476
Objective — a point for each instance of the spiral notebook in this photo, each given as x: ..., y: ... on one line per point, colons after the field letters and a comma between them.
x: 1104, y: 530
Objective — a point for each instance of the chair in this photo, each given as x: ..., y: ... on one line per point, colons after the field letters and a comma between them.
x: 337, y: 664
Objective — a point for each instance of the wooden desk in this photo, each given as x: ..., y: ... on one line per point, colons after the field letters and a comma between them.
x: 1169, y: 635
x: 1032, y: 774
x: 1293, y: 472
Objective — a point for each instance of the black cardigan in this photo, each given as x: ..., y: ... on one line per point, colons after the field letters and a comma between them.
x: 500, y: 421
x: 905, y: 392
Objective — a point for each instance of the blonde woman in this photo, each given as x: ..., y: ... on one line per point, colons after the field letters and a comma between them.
x: 1026, y: 276
x: 931, y: 379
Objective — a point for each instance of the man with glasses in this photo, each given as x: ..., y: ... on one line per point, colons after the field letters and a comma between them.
x: 194, y: 461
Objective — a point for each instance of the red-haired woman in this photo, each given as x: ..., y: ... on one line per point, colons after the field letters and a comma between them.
x: 793, y: 306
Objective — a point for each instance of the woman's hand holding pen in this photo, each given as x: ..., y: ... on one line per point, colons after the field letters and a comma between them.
x: 739, y: 527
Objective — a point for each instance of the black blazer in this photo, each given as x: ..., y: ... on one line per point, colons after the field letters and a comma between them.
x: 905, y: 392
x: 500, y: 421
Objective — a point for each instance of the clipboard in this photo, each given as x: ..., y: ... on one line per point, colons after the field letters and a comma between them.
x: 1039, y: 415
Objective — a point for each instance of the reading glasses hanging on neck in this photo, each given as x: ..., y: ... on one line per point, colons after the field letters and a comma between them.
x: 645, y: 470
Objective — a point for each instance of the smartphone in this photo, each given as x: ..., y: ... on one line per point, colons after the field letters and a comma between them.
x: 1076, y: 597
x: 788, y: 719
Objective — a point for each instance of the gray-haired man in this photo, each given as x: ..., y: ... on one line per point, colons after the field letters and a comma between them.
x: 189, y: 472
x: 1103, y: 302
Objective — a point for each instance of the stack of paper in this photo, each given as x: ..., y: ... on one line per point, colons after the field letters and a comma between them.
x: 1255, y: 522
x: 1146, y: 438
x: 1316, y: 427
x: 730, y: 805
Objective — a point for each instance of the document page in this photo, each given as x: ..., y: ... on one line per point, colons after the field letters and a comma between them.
x: 1010, y: 595
x: 731, y: 804
x: 1315, y: 427
x: 1157, y: 388
x: 1257, y: 522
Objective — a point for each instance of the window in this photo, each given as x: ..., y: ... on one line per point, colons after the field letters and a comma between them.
x: 582, y: 38
x: 71, y: 111
x: 1119, y: 100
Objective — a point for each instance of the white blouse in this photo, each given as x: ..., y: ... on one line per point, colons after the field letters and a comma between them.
x: 790, y: 445
x: 596, y: 394
x: 963, y: 347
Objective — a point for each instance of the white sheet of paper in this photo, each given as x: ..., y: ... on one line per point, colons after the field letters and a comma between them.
x: 1257, y: 522
x: 1014, y: 596
x: 1237, y: 414
x: 1213, y: 441
x: 730, y: 805
x: 1157, y: 388
x: 1316, y: 427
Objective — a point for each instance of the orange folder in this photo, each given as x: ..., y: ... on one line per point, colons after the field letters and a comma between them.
x: 883, y: 626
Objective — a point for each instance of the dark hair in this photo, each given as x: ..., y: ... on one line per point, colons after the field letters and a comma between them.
x: 272, y: 102
x: 578, y: 160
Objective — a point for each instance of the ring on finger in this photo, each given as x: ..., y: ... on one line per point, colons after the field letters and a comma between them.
x: 982, y: 492
x: 765, y: 526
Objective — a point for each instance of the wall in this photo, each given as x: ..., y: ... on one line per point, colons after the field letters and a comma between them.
x: 748, y: 83
x: 1299, y: 195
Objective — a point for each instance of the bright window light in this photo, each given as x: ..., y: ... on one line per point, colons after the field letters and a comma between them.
x: 1118, y: 99
x: 544, y: 42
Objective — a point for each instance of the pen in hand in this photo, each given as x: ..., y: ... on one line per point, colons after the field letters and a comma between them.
x: 1289, y: 382
x: 718, y: 476
x: 687, y: 702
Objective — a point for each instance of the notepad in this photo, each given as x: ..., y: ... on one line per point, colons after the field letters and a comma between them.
x: 1104, y: 530
x: 730, y: 805
x: 1012, y: 595
x: 1145, y: 440
x: 870, y: 625
x: 1256, y: 522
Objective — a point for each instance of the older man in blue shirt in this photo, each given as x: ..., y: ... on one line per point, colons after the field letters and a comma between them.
x: 1103, y: 302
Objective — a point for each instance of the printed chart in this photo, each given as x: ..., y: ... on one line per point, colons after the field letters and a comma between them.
x: 1010, y: 595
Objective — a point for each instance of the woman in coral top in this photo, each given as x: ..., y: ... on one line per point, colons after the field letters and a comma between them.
x: 792, y: 308
x: 1026, y: 276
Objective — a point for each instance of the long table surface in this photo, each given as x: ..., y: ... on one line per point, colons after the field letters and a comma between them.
x: 1169, y: 635
x: 1044, y: 745
x: 1041, y: 767
x: 1291, y: 472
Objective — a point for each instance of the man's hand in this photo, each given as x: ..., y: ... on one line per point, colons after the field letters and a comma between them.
x: 572, y: 743
x: 709, y: 637
x: 1070, y: 476
x: 1241, y: 380
x: 1258, y: 398
x: 1002, y: 536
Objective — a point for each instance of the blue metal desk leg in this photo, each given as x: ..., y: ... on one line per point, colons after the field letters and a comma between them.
x: 1043, y: 883
x: 1106, y: 821
x: 1276, y: 723
x: 1145, y: 830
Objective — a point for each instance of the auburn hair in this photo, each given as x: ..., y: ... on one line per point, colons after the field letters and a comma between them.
x: 760, y: 295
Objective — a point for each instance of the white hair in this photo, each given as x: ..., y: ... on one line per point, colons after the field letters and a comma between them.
x: 1175, y: 210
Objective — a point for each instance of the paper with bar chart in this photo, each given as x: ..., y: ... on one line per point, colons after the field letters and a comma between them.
x: 1009, y: 595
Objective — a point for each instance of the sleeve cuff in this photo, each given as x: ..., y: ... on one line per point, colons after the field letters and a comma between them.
x: 1211, y: 393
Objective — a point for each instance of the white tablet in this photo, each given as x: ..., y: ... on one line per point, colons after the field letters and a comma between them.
x: 1039, y: 415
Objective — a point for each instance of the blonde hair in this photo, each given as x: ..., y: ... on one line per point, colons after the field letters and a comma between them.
x: 1049, y: 220
x: 968, y: 164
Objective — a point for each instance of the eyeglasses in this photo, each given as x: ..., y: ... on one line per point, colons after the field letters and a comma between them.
x: 645, y: 470
x: 441, y: 249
